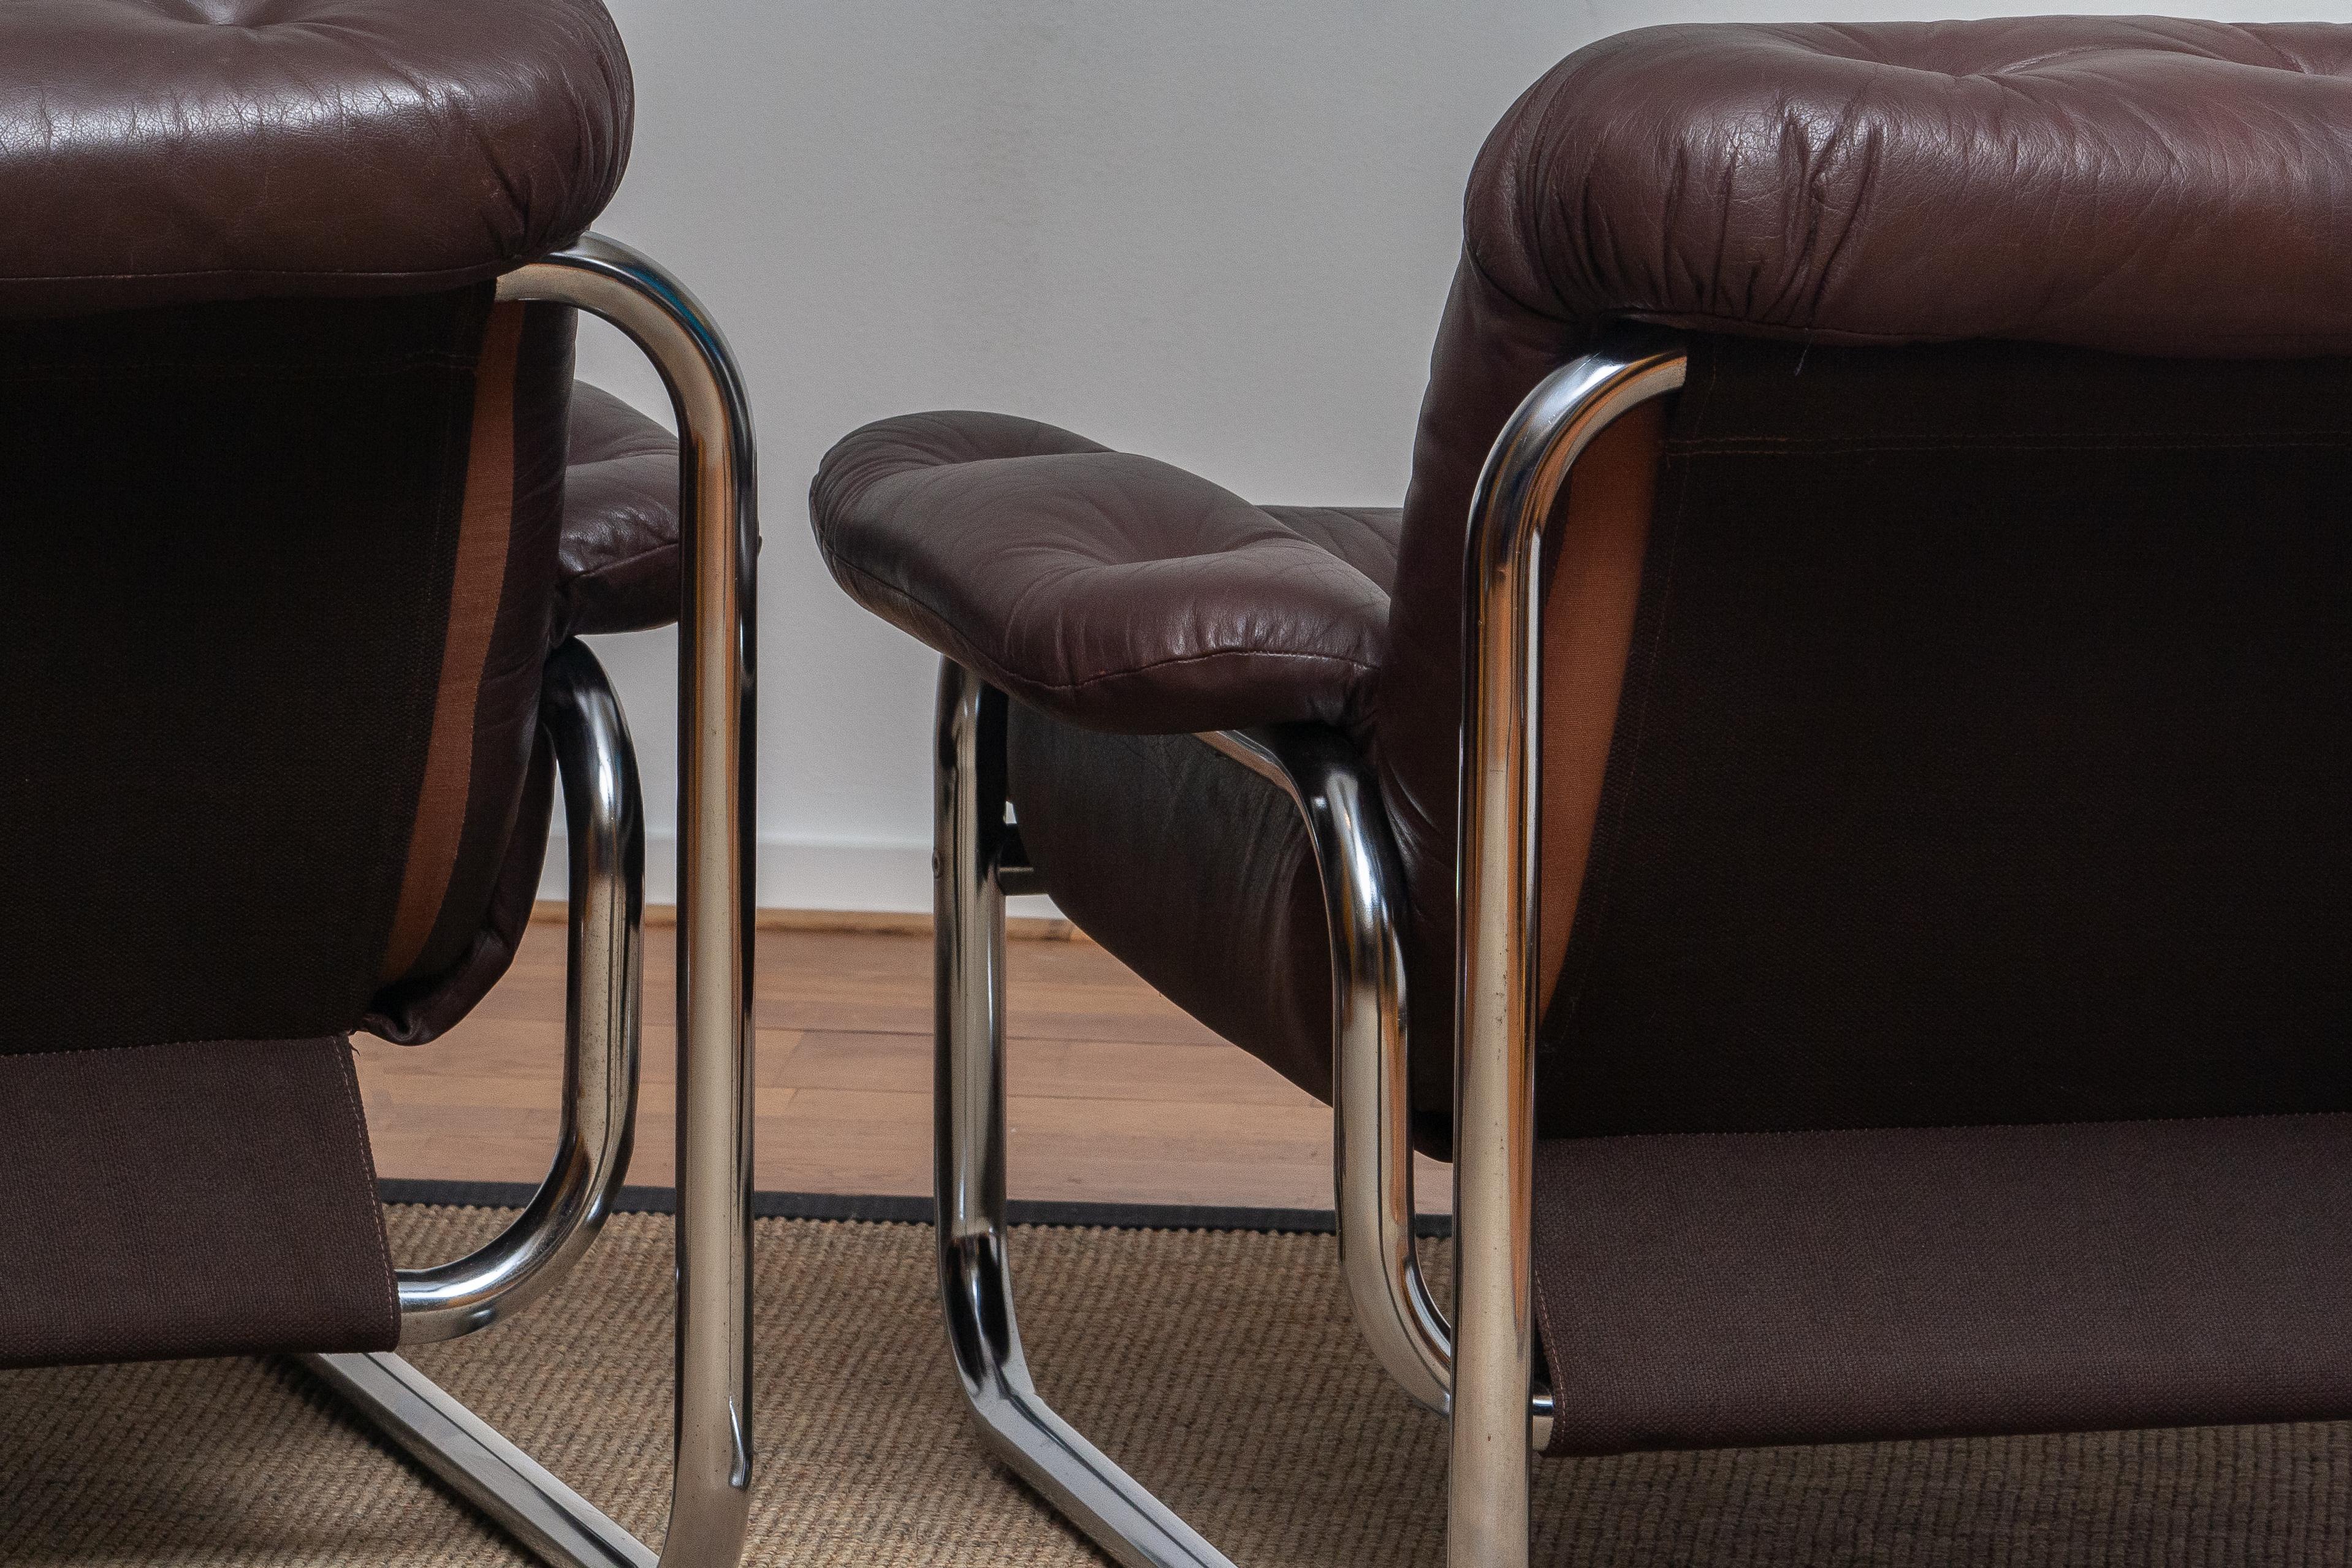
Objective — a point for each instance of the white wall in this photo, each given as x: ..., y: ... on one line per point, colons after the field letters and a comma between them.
x: 1219, y: 232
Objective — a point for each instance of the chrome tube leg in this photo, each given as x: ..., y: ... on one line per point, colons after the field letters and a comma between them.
x: 1494, y: 1144
x: 605, y: 832
x: 1339, y: 802
x: 710, y: 1487
x: 710, y: 1500
x: 550, y: 1521
x: 975, y: 1280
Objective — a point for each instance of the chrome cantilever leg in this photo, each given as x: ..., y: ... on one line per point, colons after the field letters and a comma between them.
x: 1337, y: 800
x: 1120, y: 1515
x: 709, y: 1500
x: 1483, y: 1378
x: 605, y: 830
x: 1496, y: 960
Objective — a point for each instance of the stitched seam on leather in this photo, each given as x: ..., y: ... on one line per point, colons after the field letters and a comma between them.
x: 7, y: 1057
x: 366, y: 1178
x: 1338, y: 659
x: 648, y: 447
x: 273, y: 371
x: 1559, y: 310
x: 1947, y: 1127
x: 1669, y: 314
x: 598, y: 573
x: 1806, y: 446
x: 894, y: 592
x: 471, y: 271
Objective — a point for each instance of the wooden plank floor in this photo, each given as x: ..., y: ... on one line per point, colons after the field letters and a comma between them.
x: 1116, y: 1097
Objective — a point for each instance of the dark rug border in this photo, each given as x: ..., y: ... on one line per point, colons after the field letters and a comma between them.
x: 895, y: 1209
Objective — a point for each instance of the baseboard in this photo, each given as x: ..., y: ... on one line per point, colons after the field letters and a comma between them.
x: 830, y: 883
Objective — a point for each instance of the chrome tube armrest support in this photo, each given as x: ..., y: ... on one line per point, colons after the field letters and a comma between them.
x: 1482, y: 1375
x: 709, y: 1508
x: 1497, y: 956
x: 968, y: 1105
x: 710, y: 1488
x: 604, y: 821
x: 1372, y: 1147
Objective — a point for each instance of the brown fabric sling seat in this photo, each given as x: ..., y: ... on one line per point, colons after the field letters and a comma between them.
x: 289, y: 538
x: 1946, y: 884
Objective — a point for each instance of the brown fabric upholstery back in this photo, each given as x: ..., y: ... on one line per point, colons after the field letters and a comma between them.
x: 1981, y: 752
x: 1760, y: 1289
x: 472, y: 867
x: 280, y: 586
x: 279, y: 589
x: 2149, y: 186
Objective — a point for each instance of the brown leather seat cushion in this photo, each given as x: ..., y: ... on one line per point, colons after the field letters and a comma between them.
x: 156, y: 152
x: 1191, y: 870
x: 616, y: 570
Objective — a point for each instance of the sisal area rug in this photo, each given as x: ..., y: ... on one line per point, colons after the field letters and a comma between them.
x: 1218, y: 1366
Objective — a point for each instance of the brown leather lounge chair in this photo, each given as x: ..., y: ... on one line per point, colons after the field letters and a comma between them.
x: 300, y: 512
x: 1898, y: 968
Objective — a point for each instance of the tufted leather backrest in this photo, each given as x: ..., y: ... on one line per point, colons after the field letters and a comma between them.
x: 282, y: 487
x: 161, y: 152
x: 2145, y: 185
x: 1979, y: 752
x: 245, y: 330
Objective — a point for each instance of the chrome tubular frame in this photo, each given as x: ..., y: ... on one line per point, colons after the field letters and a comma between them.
x: 1340, y: 803
x: 1498, y: 957
x: 605, y: 829
x: 1372, y: 1145
x: 1483, y: 1379
x: 709, y: 1500
x: 975, y: 1282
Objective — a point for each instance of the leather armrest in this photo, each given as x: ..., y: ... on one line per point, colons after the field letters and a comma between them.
x: 1105, y: 589
x: 617, y: 561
